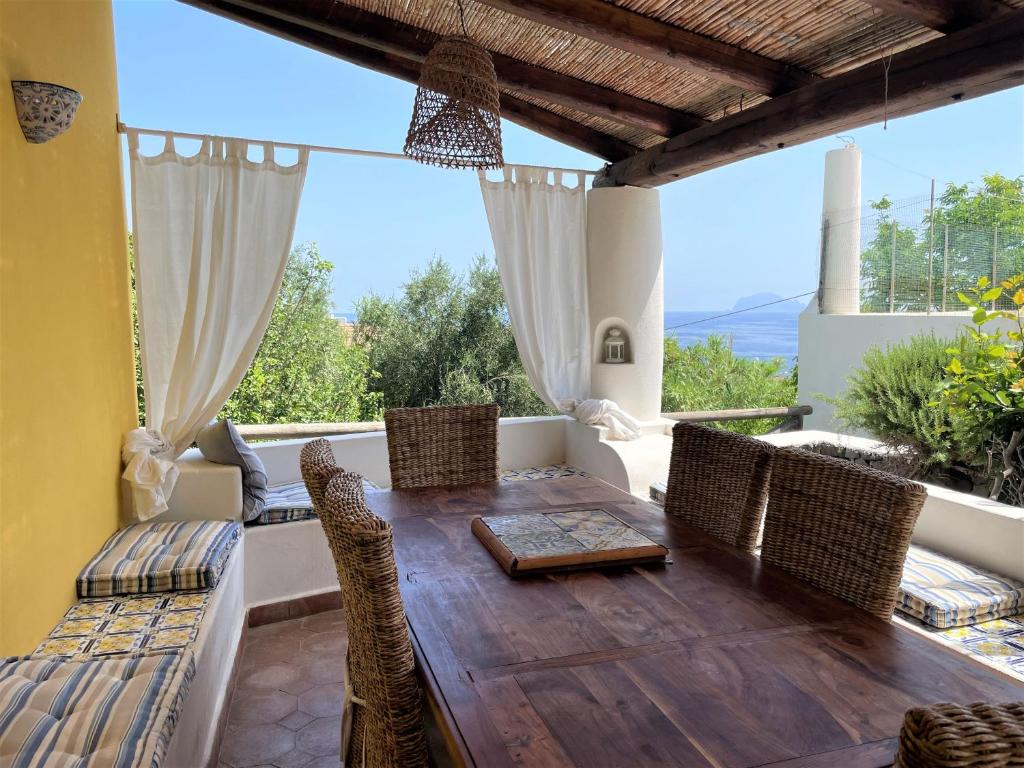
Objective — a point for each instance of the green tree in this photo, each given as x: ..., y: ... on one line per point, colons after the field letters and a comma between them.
x: 978, y: 222
x: 305, y: 369
x: 707, y: 376
x: 445, y: 340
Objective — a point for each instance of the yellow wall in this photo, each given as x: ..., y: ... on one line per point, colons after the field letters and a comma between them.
x: 66, y: 371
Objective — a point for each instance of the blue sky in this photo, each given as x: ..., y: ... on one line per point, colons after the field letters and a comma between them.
x: 738, y: 230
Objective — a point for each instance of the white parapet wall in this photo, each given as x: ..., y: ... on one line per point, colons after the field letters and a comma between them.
x: 831, y: 348
x: 626, y: 291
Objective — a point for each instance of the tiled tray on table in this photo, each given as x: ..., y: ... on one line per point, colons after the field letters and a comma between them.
x: 538, y: 542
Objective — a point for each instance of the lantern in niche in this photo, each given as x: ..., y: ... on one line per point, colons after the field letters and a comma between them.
x: 614, y: 346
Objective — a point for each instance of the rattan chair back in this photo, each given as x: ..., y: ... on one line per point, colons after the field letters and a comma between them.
x: 954, y: 736
x: 842, y: 527
x: 718, y: 481
x: 316, y: 462
x: 442, y: 446
x: 384, y: 706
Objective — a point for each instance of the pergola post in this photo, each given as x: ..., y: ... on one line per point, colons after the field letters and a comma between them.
x: 626, y: 291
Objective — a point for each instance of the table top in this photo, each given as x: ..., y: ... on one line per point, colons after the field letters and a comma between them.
x: 711, y: 660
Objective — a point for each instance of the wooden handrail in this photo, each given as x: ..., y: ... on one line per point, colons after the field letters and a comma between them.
x: 315, y: 429
x: 793, y: 416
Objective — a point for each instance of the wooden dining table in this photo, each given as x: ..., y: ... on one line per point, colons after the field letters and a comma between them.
x: 713, y: 659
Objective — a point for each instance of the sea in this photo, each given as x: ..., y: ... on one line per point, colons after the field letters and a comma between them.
x: 755, y: 335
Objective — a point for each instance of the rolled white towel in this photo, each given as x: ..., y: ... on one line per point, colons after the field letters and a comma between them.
x: 607, y: 413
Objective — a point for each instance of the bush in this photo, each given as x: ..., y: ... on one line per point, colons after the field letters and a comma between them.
x: 707, y: 376
x: 892, y: 397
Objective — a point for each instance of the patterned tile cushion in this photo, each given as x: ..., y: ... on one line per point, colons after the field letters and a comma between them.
x: 104, y: 713
x: 160, y: 557
x: 288, y: 502
x: 946, y: 593
x: 127, y: 625
x: 545, y: 472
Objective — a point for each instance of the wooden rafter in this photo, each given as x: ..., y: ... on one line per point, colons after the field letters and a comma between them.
x: 410, y: 42
x: 982, y: 59
x: 944, y: 15
x: 661, y: 42
x: 542, y: 121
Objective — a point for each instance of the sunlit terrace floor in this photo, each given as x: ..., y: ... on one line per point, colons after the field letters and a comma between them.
x: 286, y: 708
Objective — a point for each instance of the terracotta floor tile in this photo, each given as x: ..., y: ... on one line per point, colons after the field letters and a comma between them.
x: 253, y: 745
x: 324, y: 700
x: 297, y: 719
x: 331, y: 642
x: 258, y: 705
x: 265, y: 726
x: 327, y: 761
x: 321, y: 737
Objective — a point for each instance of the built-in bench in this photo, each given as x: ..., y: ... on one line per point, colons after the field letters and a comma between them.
x: 278, y: 569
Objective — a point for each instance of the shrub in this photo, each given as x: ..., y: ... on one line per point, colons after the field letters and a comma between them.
x: 707, y: 376
x: 892, y: 397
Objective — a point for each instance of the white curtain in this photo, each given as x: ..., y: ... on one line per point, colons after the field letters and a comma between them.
x: 212, y: 234
x: 539, y: 229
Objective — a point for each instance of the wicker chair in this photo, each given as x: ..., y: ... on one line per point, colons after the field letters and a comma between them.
x: 843, y: 527
x: 316, y: 462
x: 718, y: 481
x: 382, y: 726
x: 953, y: 736
x: 447, y: 445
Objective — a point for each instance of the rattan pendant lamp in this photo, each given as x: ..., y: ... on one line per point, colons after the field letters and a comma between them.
x: 455, y: 120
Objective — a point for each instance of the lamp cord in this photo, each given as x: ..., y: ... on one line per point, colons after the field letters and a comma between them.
x: 462, y: 18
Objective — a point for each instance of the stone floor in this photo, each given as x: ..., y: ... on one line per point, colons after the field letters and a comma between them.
x: 286, y: 709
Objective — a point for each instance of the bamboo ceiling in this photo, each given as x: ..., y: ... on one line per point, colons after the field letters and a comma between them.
x: 599, y: 70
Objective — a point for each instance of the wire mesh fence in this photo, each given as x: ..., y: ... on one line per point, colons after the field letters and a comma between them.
x: 917, y: 254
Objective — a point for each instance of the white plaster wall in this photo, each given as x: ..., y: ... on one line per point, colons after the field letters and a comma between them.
x: 831, y: 348
x: 625, y: 287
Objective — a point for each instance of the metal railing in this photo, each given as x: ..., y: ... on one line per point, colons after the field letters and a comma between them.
x: 792, y: 420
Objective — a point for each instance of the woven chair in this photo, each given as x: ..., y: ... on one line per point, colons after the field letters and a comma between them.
x: 316, y: 462
x: 842, y: 527
x: 718, y: 481
x: 953, y: 736
x: 442, y: 446
x: 383, y: 713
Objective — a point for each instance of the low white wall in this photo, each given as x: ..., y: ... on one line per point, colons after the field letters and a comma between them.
x: 831, y: 347
x: 194, y: 737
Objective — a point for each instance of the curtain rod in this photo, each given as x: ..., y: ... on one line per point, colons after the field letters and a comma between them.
x: 122, y: 128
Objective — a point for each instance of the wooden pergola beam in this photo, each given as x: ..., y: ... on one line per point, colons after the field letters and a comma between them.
x: 943, y: 15
x: 384, y: 34
x: 535, y: 118
x: 661, y: 42
x: 982, y: 59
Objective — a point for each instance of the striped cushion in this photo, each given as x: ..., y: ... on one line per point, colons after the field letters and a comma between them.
x: 110, y: 713
x: 159, y: 557
x: 290, y: 501
x: 946, y: 593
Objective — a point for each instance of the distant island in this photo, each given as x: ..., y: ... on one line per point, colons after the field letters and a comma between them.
x: 758, y: 299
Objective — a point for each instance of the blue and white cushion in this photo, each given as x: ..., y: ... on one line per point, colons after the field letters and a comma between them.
x: 946, y: 593
x: 104, y: 713
x: 160, y: 557
x: 290, y: 501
